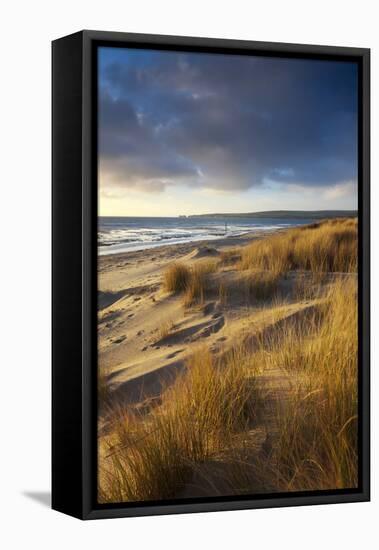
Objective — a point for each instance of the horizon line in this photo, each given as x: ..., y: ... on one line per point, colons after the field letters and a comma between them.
x: 336, y: 210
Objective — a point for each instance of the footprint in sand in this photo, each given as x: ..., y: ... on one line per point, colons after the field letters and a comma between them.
x: 216, y: 327
x: 174, y: 354
x: 119, y: 340
x: 209, y: 308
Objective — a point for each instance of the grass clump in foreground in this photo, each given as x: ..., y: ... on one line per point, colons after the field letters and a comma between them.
x: 155, y: 456
x: 329, y: 246
x: 193, y: 281
x: 176, y: 278
x: 316, y: 420
x: 165, y: 329
x: 199, y: 282
x: 317, y: 447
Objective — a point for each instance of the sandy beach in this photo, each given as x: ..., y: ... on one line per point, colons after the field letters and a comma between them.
x: 135, y: 313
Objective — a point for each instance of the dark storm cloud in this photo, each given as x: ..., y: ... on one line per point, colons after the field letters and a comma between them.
x: 225, y: 122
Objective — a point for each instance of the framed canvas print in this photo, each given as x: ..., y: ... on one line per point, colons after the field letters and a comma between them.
x: 210, y: 274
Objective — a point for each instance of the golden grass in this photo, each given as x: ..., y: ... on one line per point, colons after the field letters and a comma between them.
x: 307, y: 285
x: 230, y: 257
x: 317, y: 446
x: 199, y: 413
x: 198, y: 282
x: 329, y: 246
x: 316, y: 414
x: 222, y: 294
x: 190, y: 280
x: 176, y: 278
x: 165, y: 329
x: 262, y: 285
x: 214, y: 400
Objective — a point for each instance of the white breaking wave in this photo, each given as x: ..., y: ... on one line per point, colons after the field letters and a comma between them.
x: 123, y: 235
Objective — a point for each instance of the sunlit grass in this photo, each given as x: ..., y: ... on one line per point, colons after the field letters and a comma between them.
x: 329, y: 246
x: 152, y: 458
x: 261, y: 285
x: 176, y: 278
x: 198, y: 282
x: 317, y: 426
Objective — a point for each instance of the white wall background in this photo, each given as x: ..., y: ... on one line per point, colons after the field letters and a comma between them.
x: 26, y: 31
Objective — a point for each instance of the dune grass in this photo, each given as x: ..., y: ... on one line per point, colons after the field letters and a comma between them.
x: 199, y: 413
x: 180, y: 278
x: 216, y: 399
x: 316, y: 419
x: 230, y: 257
x: 199, y: 282
x: 165, y: 329
x: 222, y: 294
x: 317, y: 446
x: 191, y: 280
x: 329, y: 246
x: 262, y: 285
x: 176, y: 278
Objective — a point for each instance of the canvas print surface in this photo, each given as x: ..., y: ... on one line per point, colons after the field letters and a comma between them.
x: 227, y: 275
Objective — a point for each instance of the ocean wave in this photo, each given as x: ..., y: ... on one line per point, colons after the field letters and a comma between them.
x: 122, y: 235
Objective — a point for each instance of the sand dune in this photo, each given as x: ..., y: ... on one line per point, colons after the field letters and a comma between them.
x: 187, y: 330
x: 134, y: 312
x: 146, y: 334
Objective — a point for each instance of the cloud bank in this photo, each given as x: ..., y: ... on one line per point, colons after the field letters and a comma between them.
x: 225, y: 123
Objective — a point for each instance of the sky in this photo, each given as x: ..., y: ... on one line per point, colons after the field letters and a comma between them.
x: 193, y: 133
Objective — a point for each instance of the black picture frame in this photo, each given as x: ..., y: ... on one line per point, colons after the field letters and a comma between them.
x: 74, y: 296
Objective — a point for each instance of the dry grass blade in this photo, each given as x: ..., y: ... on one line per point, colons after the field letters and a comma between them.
x: 176, y: 278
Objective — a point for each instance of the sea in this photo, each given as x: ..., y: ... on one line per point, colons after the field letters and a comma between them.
x: 125, y: 234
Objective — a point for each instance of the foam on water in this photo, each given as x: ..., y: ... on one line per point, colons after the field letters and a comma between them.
x: 131, y: 234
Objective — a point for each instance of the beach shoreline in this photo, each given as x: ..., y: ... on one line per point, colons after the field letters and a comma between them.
x: 176, y: 250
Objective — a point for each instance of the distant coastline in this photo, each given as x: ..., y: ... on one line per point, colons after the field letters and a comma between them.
x: 294, y: 214
x: 298, y: 214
